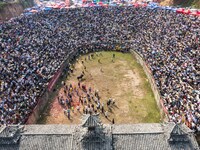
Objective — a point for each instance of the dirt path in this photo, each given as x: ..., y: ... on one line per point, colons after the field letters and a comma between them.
x: 122, y: 80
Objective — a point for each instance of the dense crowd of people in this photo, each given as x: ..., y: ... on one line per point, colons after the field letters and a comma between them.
x: 170, y: 45
x: 33, y: 48
x: 85, y: 100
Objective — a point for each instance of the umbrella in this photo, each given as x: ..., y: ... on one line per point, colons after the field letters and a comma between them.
x: 180, y: 10
x: 135, y: 4
x: 47, y: 9
x: 105, y: 5
x: 144, y: 5
x: 186, y: 12
x: 91, y: 4
x: 100, y: 3
x: 195, y: 14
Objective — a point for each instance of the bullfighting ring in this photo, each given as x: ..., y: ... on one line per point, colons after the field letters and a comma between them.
x: 122, y: 87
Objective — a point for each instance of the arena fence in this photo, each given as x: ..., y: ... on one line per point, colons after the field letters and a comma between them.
x: 159, y: 101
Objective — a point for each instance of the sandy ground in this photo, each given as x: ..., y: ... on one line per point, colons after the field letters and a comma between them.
x: 122, y: 80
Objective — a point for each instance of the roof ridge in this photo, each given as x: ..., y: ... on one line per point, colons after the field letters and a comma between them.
x: 138, y: 133
x: 91, y: 121
x: 3, y: 128
x: 177, y: 130
x: 27, y: 134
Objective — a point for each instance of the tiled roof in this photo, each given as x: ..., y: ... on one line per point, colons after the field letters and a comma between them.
x: 46, y: 142
x: 41, y: 142
x: 150, y: 141
x: 137, y: 128
x: 104, y: 137
x: 183, y: 146
x: 49, y: 129
x: 9, y: 147
x: 146, y: 137
x: 100, y: 139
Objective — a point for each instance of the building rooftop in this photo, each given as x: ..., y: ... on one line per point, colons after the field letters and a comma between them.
x: 152, y: 136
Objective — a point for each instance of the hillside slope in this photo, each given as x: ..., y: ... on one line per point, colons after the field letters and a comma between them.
x: 13, y: 9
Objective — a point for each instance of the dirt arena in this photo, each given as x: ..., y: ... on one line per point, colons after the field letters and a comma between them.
x: 120, y: 78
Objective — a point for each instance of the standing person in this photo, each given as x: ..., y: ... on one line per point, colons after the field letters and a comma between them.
x: 79, y: 84
x: 113, y: 56
x: 96, y: 93
x: 113, y: 101
x: 102, y: 110
x: 67, y: 102
x: 65, y: 111
x: 99, y: 60
x: 98, y: 106
x: 84, y: 88
x: 90, y: 89
x: 68, y: 113
x: 78, y: 108
x: 113, y: 121
x: 92, y: 56
x: 59, y: 101
x: 72, y: 108
x: 84, y: 112
x: 82, y: 62
x: 106, y: 114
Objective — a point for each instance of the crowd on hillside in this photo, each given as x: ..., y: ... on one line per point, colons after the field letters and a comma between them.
x: 32, y: 49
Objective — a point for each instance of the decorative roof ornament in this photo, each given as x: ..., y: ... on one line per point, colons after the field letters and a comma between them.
x: 178, y: 135
x: 177, y: 130
x: 95, y: 137
x: 10, y: 135
x: 91, y: 121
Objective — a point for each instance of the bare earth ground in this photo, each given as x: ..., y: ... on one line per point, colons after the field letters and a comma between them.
x: 124, y: 80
